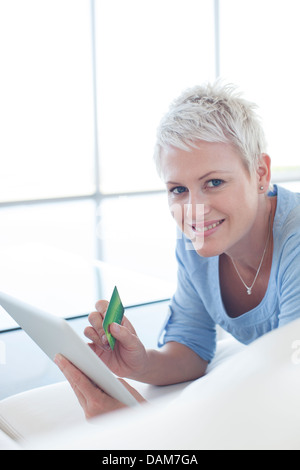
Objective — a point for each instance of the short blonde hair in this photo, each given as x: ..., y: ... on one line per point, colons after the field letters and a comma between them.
x: 212, y: 113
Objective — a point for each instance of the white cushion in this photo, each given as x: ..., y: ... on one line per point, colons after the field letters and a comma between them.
x: 249, y: 399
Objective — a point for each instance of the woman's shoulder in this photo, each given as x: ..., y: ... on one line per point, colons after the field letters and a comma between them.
x: 287, y: 217
x: 287, y: 225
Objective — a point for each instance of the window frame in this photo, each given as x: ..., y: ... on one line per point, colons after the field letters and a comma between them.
x: 98, y: 196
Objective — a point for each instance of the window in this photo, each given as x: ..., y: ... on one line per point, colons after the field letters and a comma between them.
x: 84, y: 78
x: 258, y: 51
x: 46, y: 113
x: 147, y: 52
x: 84, y: 84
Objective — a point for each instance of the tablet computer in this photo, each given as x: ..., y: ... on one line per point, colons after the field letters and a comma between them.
x: 55, y: 335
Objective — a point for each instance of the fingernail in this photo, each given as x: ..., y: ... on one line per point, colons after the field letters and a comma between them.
x: 104, y: 339
x: 105, y: 343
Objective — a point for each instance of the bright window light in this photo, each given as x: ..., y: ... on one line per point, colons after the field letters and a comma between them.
x: 147, y: 53
x: 84, y: 84
x: 259, y: 47
x: 46, y: 96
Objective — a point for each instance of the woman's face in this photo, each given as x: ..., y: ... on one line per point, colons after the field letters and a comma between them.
x: 212, y: 196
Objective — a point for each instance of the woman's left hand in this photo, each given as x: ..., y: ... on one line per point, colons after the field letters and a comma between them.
x: 92, y: 399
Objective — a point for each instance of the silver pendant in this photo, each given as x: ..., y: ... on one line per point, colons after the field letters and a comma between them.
x: 249, y: 289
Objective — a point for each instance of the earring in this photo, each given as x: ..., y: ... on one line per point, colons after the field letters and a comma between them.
x: 261, y: 188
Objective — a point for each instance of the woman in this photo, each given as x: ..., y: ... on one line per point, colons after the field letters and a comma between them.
x: 243, y: 270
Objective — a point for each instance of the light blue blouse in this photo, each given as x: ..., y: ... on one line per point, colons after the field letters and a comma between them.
x: 197, y: 307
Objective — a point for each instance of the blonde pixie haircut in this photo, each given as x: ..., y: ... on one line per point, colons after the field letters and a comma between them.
x: 213, y: 113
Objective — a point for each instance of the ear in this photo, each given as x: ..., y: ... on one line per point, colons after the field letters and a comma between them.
x: 263, y: 172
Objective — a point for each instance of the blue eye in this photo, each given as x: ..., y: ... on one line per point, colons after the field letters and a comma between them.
x: 214, y: 183
x: 178, y: 190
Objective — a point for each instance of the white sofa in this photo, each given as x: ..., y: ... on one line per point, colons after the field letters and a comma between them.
x: 249, y: 399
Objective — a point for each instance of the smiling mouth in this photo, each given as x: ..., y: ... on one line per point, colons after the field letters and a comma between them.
x: 205, y: 228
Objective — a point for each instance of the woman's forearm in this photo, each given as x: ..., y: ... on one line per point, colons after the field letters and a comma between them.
x: 172, y: 364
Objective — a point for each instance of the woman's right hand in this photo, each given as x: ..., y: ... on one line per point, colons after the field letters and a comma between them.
x: 129, y: 357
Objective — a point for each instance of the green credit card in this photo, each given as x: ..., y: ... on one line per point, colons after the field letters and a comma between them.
x: 114, y: 314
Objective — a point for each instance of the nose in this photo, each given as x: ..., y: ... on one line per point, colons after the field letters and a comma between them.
x: 197, y: 208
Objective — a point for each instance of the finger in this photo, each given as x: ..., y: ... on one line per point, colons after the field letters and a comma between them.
x: 72, y: 374
x: 128, y: 325
x: 101, y: 306
x: 99, y: 350
x: 96, y: 332
x: 122, y: 334
x: 92, y: 334
x: 99, y: 341
x: 133, y: 391
x: 83, y: 387
x: 96, y: 320
x: 92, y: 399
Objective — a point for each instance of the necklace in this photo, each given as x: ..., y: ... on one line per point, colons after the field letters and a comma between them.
x: 249, y: 288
